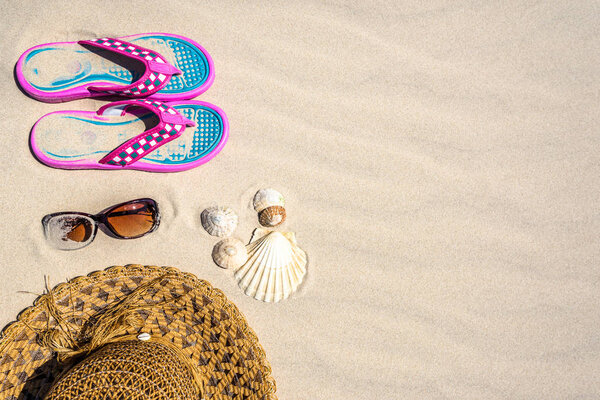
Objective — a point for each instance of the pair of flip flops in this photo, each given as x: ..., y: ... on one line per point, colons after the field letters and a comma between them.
x: 158, y: 73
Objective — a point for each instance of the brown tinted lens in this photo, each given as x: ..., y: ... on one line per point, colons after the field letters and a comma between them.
x: 80, y: 231
x: 69, y: 231
x: 133, y: 219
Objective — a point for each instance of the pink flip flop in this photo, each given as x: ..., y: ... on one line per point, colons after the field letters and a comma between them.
x: 160, y: 66
x: 176, y: 136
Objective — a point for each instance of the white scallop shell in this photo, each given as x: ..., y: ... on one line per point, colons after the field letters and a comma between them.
x: 275, y: 266
x: 219, y: 221
x: 230, y: 253
x: 266, y: 198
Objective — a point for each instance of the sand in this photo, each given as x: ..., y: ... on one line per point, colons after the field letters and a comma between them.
x: 440, y: 165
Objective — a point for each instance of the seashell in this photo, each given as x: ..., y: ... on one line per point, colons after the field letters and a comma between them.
x: 143, y: 336
x: 272, y: 216
x: 260, y: 232
x: 275, y: 266
x: 266, y: 198
x: 219, y: 221
x: 230, y: 253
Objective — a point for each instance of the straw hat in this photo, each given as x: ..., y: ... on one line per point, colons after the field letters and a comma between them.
x: 134, y: 332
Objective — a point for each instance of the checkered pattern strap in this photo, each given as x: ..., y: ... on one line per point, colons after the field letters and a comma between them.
x: 171, y: 126
x: 156, y: 76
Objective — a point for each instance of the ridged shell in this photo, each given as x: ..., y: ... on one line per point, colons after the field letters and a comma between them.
x: 230, y: 253
x: 272, y: 216
x: 275, y: 266
x: 219, y: 221
x: 266, y: 198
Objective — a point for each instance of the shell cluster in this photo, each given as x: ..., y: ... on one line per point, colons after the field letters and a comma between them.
x: 275, y: 268
x: 272, y: 266
x: 219, y: 221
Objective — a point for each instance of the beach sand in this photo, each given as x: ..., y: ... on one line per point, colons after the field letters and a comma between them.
x: 441, y: 169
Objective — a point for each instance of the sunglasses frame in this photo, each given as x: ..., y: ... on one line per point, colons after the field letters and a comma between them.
x: 101, y: 219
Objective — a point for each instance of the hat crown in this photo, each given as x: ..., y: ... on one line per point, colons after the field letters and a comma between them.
x: 133, y: 370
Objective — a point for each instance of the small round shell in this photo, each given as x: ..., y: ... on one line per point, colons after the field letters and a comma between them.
x: 144, y: 336
x: 266, y: 198
x: 219, y: 221
x: 272, y: 216
x: 230, y: 253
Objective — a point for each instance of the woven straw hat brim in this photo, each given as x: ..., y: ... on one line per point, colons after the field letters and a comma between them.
x: 193, y: 316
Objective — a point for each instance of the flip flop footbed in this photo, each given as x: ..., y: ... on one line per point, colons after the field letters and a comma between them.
x: 79, y: 139
x: 62, y: 71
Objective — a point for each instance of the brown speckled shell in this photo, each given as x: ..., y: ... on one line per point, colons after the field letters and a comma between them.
x: 272, y: 216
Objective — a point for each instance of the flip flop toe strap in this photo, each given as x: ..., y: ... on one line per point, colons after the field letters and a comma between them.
x: 157, y: 74
x: 171, y: 125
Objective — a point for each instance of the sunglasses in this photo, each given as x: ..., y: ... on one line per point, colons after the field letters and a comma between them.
x: 129, y: 220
